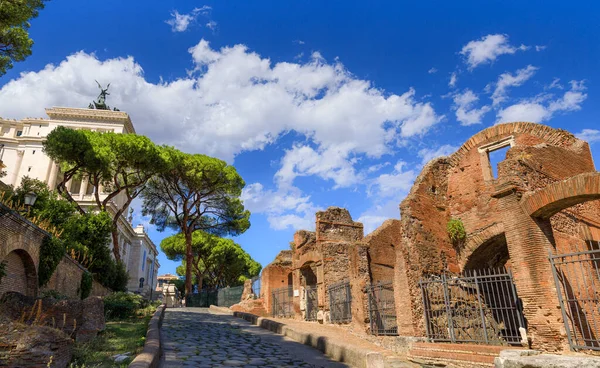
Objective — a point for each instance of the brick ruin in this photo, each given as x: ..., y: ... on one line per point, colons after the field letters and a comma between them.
x: 543, y: 199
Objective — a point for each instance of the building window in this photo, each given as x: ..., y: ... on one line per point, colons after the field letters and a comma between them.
x: 29, y: 169
x: 144, y: 261
x: 75, y: 186
x: 19, y: 133
x: 492, y: 154
x: 33, y: 152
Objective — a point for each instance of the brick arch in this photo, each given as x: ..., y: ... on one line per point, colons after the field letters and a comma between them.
x: 563, y: 194
x: 555, y: 137
x: 21, y: 273
x: 476, y: 240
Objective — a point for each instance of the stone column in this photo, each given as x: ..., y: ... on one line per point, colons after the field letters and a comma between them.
x: 53, y: 176
x: 529, y: 241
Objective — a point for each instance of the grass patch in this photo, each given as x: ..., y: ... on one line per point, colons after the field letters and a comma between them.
x: 119, y: 337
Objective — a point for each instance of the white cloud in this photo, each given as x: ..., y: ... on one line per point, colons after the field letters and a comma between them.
x: 432, y: 71
x: 377, y: 167
x: 212, y: 25
x: 555, y: 84
x: 589, y: 135
x: 233, y: 101
x: 398, y: 181
x: 453, y: 79
x: 507, y: 80
x: 542, y: 107
x: 466, y: 114
x: 181, y: 22
x: 283, y: 208
x: 428, y: 154
x: 540, y: 48
x: 487, y: 49
x: 299, y: 42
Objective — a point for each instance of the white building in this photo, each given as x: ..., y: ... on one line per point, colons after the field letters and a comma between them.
x: 21, y: 152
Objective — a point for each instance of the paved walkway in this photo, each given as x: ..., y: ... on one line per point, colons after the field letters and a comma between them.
x: 194, y: 337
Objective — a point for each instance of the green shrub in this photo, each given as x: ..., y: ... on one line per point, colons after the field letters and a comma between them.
x: 53, y: 294
x: 122, y: 305
x: 85, y: 288
x: 456, y: 231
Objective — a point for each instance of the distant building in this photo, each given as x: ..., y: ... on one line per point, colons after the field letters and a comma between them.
x: 21, y: 153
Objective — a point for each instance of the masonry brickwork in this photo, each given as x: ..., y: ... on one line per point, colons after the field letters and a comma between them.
x: 544, y: 197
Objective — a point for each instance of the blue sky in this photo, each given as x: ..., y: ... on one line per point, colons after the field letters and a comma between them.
x: 316, y: 103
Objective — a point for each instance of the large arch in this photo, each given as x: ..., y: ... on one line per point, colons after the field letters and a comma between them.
x: 563, y: 194
x: 21, y: 275
x: 475, y: 241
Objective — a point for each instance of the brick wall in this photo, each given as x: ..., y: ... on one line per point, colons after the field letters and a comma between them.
x: 66, y: 279
x: 382, y: 244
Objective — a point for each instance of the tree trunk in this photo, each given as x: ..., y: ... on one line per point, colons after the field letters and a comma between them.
x: 189, y: 259
x: 116, y: 248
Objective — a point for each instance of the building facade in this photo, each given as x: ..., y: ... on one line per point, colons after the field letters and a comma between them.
x: 22, y: 155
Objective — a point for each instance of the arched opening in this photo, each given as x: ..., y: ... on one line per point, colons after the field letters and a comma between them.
x: 308, y: 280
x: 290, y: 280
x: 21, y: 275
x: 307, y: 274
x: 493, y: 253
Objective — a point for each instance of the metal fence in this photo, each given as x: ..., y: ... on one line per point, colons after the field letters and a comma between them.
x: 229, y: 296
x: 256, y: 286
x: 577, y: 277
x: 282, y: 304
x: 382, y: 309
x: 479, y: 306
x: 340, y: 302
x: 312, y: 302
x: 203, y: 299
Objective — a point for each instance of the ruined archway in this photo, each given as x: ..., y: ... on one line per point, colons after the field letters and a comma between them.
x: 563, y: 194
x: 492, y: 253
x: 21, y: 275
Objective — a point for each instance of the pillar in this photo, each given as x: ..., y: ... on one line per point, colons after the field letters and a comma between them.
x: 529, y: 240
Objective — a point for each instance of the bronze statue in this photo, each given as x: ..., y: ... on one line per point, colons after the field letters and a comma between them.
x: 101, y: 103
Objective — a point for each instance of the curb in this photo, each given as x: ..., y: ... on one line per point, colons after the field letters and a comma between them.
x: 150, y: 356
x: 337, y: 350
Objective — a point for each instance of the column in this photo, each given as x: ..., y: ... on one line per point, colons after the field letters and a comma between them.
x: 529, y: 241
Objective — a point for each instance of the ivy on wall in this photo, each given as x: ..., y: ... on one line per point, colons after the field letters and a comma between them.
x: 2, y: 270
x: 52, y: 251
x: 85, y: 288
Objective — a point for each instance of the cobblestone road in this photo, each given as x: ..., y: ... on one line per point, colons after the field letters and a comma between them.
x: 194, y: 337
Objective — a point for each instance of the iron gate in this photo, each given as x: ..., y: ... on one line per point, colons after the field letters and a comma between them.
x: 340, y: 302
x: 282, y: 304
x: 382, y: 309
x: 577, y: 278
x: 312, y: 302
x: 479, y: 306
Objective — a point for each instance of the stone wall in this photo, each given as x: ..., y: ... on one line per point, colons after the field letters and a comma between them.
x: 66, y: 280
x: 276, y: 274
x: 382, y: 244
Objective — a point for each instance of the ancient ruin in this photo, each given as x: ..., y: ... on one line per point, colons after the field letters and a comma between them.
x: 503, y: 257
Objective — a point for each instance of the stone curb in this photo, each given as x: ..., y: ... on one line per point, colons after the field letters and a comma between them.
x: 150, y: 356
x: 220, y: 310
x: 337, y: 350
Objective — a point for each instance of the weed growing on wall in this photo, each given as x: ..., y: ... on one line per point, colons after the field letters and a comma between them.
x: 456, y: 231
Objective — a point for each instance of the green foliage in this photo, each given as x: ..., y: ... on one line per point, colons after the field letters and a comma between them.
x: 86, y: 234
x: 456, y: 231
x: 120, y: 163
x: 195, y: 192
x: 121, y: 305
x: 2, y: 270
x: 217, y: 261
x: 85, y: 288
x: 52, y: 251
x: 53, y: 294
x: 180, y: 285
x: 15, y: 44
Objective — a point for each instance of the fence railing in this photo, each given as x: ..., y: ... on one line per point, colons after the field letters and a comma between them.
x: 256, y: 286
x: 479, y: 306
x: 340, y: 302
x: 203, y: 299
x: 230, y: 295
x: 282, y: 303
x: 382, y: 309
x: 577, y: 278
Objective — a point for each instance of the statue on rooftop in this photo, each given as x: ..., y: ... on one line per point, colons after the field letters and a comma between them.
x: 100, y: 104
